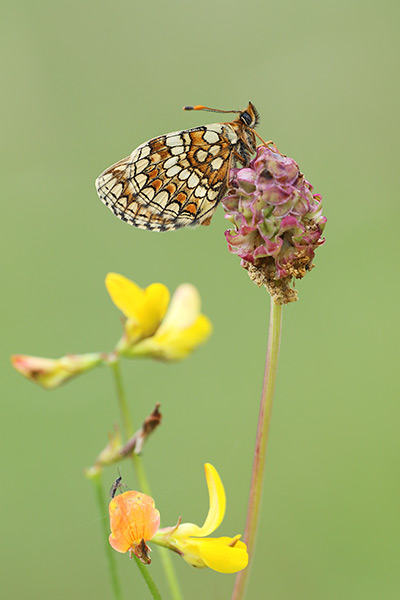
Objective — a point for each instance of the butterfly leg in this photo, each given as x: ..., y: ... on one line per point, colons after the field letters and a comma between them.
x: 239, y: 158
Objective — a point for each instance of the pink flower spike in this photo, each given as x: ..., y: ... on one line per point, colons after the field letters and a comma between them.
x: 277, y: 222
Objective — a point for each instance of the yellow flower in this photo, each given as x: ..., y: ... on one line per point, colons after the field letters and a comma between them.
x: 143, y: 309
x: 152, y: 331
x: 224, y: 554
x: 50, y: 372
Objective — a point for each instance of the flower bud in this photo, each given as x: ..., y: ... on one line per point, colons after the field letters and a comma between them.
x: 49, y: 372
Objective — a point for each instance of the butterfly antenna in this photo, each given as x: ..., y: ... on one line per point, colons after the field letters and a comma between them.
x: 201, y: 107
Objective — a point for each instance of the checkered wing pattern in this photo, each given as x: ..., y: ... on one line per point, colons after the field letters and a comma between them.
x: 171, y: 181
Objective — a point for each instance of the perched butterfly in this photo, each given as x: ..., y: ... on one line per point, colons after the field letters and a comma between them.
x: 177, y: 180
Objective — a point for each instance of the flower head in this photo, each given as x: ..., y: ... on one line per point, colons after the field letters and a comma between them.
x: 223, y: 554
x: 152, y: 330
x: 133, y: 521
x: 51, y: 372
x: 277, y: 220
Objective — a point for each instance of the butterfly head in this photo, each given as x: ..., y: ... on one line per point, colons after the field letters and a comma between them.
x: 250, y: 116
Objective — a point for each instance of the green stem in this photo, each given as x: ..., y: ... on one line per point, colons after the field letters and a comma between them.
x: 95, y: 477
x: 173, y: 583
x: 123, y: 405
x: 264, y: 418
x: 148, y: 579
x: 140, y: 471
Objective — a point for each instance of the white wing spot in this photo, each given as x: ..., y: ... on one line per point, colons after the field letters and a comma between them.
x: 170, y: 162
x: 201, y: 155
x: 177, y: 150
x: 200, y: 191
x: 174, y: 140
x: 193, y: 180
x: 212, y: 194
x: 210, y: 136
x: 173, y: 171
x: 184, y: 174
x: 215, y: 150
x: 217, y: 163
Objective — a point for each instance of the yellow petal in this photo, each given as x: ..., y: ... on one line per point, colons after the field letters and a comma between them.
x: 184, y: 308
x: 153, y: 308
x: 125, y: 294
x: 217, y: 500
x: 186, y: 533
x: 144, y: 309
x: 174, y: 344
x: 225, y: 555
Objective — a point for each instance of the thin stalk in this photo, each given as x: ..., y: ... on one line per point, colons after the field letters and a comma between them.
x: 264, y: 418
x: 123, y: 404
x: 95, y: 477
x: 148, y: 579
x: 140, y: 471
x: 173, y: 583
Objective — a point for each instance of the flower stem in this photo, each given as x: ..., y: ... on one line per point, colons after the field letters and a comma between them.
x: 140, y: 471
x: 123, y: 405
x: 148, y: 579
x: 174, y: 587
x: 95, y: 477
x: 264, y: 418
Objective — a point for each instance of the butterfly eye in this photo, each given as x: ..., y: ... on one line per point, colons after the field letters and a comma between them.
x: 246, y: 118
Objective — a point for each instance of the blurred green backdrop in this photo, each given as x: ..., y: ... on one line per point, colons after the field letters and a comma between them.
x: 83, y: 84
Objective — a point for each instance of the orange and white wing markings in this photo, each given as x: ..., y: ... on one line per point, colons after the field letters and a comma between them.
x: 177, y: 180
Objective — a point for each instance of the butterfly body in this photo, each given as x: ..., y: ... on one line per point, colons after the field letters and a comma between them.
x: 178, y: 179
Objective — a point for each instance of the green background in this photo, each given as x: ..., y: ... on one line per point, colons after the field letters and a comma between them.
x: 84, y: 83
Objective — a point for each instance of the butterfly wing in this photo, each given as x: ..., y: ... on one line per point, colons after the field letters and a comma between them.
x: 171, y: 181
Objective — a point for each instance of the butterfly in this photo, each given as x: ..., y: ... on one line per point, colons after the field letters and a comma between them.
x: 177, y: 180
